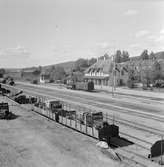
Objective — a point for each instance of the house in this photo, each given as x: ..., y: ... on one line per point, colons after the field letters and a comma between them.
x: 145, y: 68
x: 44, y: 77
x: 103, y: 72
x: 122, y: 74
x: 100, y: 72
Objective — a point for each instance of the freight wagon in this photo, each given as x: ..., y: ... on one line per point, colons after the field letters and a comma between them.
x: 91, y: 119
x: 4, y: 111
x: 87, y: 118
x: 87, y: 86
x: 55, y: 106
x: 157, y: 152
x: 110, y: 134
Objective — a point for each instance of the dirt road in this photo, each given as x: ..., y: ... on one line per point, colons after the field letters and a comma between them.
x: 32, y: 141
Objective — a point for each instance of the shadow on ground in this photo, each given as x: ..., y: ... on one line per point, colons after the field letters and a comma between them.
x: 11, y: 116
x: 117, y: 142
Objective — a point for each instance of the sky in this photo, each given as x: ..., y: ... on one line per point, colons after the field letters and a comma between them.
x: 44, y: 32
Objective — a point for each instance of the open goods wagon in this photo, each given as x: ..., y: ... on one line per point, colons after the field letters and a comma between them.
x: 157, y: 152
x: 87, y: 86
x: 110, y: 134
x: 4, y: 110
x: 91, y: 119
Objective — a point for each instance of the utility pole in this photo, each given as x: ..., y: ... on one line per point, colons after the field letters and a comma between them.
x: 114, y: 73
x: 113, y: 78
x: 161, y: 148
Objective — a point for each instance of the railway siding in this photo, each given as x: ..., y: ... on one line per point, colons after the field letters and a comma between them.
x: 129, y: 154
x: 126, y: 125
x: 135, y: 154
x: 89, y: 131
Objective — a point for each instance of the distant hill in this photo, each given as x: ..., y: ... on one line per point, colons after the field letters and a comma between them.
x: 159, y: 55
x: 68, y: 66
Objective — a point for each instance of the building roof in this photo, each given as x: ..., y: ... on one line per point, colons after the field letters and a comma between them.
x: 96, y: 77
x: 28, y: 71
x: 45, y: 73
x: 104, y: 66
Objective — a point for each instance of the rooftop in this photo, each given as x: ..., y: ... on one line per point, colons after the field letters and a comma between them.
x: 102, y: 65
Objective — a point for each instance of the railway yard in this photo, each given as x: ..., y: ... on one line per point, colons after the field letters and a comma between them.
x: 82, y: 83
x: 140, y: 119
x: 32, y: 141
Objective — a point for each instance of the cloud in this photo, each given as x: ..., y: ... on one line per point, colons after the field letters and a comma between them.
x: 142, y: 33
x: 162, y: 31
x: 157, y: 38
x: 17, y: 52
x: 135, y: 45
x: 107, y: 45
x: 104, y: 45
x: 152, y: 37
x: 131, y: 12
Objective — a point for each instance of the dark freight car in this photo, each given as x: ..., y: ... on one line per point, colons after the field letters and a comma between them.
x: 157, y: 152
x: 107, y: 132
x: 4, y: 110
x: 110, y: 134
x: 87, y: 86
x: 157, y: 148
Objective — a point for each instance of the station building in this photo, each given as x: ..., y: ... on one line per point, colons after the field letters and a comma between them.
x: 102, y: 73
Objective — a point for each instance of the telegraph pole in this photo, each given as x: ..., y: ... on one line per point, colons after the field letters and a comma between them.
x: 161, y: 148
x: 114, y: 73
x: 113, y: 76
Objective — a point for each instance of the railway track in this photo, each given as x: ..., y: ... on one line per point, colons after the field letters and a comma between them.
x: 119, y: 121
x: 139, y: 126
x: 131, y: 124
x: 117, y: 103
x: 112, y: 101
x: 138, y: 160
x: 145, y: 98
x: 126, y: 122
x: 126, y: 155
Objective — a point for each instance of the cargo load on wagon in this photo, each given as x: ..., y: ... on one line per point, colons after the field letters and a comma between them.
x: 4, y: 110
x: 53, y: 105
x: 92, y: 119
x: 107, y: 132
